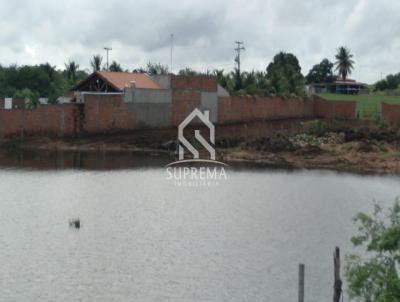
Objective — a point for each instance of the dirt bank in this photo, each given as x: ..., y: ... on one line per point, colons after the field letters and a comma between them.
x: 374, y: 148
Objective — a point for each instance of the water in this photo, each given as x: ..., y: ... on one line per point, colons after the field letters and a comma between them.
x: 144, y: 239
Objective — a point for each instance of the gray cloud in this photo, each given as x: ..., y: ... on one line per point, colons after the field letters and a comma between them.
x: 46, y: 30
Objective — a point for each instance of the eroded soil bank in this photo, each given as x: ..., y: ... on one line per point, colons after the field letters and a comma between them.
x: 361, y: 147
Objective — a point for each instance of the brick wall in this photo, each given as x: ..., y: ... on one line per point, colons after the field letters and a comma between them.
x: 391, y: 113
x: 250, y: 108
x: 344, y: 110
x: 49, y: 120
x: 109, y: 113
x: 204, y: 83
x: 186, y: 94
x: 106, y: 113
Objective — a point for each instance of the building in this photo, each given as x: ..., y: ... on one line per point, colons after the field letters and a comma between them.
x: 157, y: 101
x: 107, y: 81
x: 347, y: 86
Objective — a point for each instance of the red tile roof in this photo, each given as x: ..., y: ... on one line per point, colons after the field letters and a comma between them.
x: 122, y: 79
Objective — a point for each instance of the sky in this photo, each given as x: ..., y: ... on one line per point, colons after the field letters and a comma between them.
x: 33, y: 32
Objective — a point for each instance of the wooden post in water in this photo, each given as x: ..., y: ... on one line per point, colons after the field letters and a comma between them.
x: 337, y: 286
x: 301, y: 282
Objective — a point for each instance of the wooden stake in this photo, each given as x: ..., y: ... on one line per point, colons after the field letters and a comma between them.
x: 337, y: 287
x: 301, y: 282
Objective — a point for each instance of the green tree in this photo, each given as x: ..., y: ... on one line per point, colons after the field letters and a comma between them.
x: 31, y: 97
x: 284, y: 75
x: 156, y: 69
x: 344, y: 62
x: 188, y: 72
x: 321, y: 73
x: 375, y: 277
x: 116, y: 67
x: 71, y: 68
x: 392, y: 81
x: 96, y: 62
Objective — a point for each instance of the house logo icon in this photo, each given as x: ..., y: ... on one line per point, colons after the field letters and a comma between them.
x: 184, y: 143
x: 210, y: 172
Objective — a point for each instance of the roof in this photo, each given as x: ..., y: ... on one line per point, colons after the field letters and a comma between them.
x: 122, y: 79
x: 340, y: 82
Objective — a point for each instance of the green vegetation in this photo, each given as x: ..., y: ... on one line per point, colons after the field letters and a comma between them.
x: 316, y: 127
x: 391, y: 82
x: 344, y: 62
x: 321, y: 73
x: 96, y: 62
x: 38, y: 81
x: 375, y: 276
x: 116, y: 67
x: 281, y: 77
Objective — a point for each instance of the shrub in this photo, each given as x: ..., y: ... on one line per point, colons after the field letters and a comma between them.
x: 316, y: 127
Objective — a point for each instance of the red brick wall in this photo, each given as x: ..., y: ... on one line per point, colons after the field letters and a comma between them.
x: 186, y: 94
x: 204, y: 83
x: 344, y: 110
x: 250, y: 108
x: 391, y: 113
x: 49, y: 120
x: 183, y: 102
x: 106, y: 113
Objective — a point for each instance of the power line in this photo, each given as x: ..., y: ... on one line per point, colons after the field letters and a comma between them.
x: 238, y: 50
x: 107, y: 50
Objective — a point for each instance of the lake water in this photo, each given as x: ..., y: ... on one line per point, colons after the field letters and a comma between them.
x: 145, y: 239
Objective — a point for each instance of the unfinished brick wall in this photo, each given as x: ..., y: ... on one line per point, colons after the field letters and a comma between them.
x: 203, y: 83
x: 106, y: 113
x: 391, y: 113
x: 186, y: 94
x: 49, y: 120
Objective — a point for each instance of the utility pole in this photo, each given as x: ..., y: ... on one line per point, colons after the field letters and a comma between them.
x: 172, y: 49
x: 107, y: 50
x: 238, y: 50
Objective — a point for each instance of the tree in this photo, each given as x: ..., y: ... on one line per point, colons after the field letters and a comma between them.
x: 29, y: 95
x: 96, y: 62
x: 375, y: 277
x: 116, y: 67
x: 284, y: 75
x: 71, y: 68
x: 392, y: 81
x: 187, y: 71
x: 344, y: 62
x: 321, y: 73
x: 156, y: 69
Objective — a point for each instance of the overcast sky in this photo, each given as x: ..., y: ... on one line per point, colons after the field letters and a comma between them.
x: 139, y: 31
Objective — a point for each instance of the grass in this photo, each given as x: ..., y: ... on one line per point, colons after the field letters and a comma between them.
x: 368, y: 105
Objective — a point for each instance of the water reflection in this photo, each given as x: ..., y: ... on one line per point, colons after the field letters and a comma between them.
x: 86, y: 160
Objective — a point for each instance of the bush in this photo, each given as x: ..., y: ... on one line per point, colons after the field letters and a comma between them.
x: 375, y: 278
x: 316, y: 127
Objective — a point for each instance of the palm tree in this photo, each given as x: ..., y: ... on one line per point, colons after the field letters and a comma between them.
x: 344, y: 63
x: 71, y: 68
x: 96, y: 62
